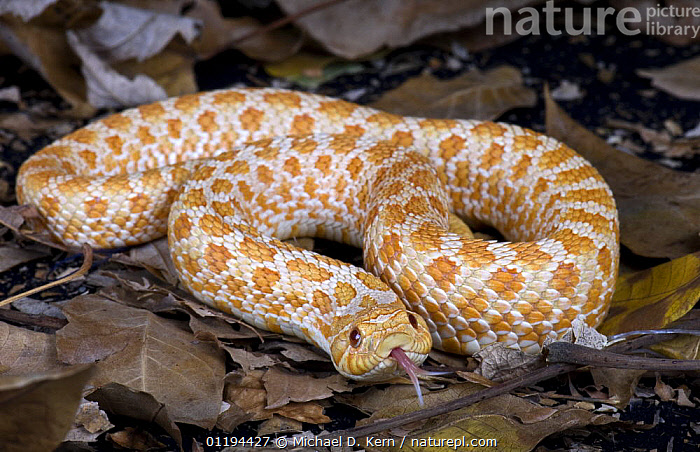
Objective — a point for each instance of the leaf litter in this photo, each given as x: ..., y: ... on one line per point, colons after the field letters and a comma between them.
x: 164, y: 358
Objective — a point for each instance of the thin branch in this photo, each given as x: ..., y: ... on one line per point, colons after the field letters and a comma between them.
x: 564, y: 352
x: 87, y: 263
x: 41, y: 321
x: 285, y: 20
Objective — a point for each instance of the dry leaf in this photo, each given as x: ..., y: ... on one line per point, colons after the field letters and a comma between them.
x: 500, y: 363
x: 664, y: 391
x: 25, y: 352
x: 155, y: 257
x: 659, y: 208
x: 121, y: 400
x: 147, y: 353
x: 283, y: 387
x: 683, y: 346
x: 680, y: 80
x: 655, y: 297
x: 36, y: 411
x: 12, y: 255
x: 621, y: 383
x: 355, y: 28
x: 250, y: 360
x: 473, y: 95
x: 248, y: 399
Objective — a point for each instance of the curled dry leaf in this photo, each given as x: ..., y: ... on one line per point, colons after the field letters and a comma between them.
x: 680, y: 79
x: 655, y: 297
x: 659, y: 208
x: 473, y: 95
x: 355, y: 28
x: 248, y: 398
x: 36, y: 411
x: 147, y: 353
x: 121, y: 400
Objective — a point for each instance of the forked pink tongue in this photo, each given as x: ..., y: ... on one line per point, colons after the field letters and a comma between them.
x: 411, y: 369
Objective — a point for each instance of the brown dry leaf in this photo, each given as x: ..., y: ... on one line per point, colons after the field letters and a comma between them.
x: 121, y: 400
x: 299, y: 353
x: 279, y: 425
x: 499, y: 363
x: 251, y: 360
x: 654, y: 297
x: 36, y: 411
x: 516, y: 423
x: 659, y: 208
x: 248, y: 398
x: 12, y: 255
x: 680, y: 79
x: 219, y: 33
x: 135, y: 439
x: 155, y: 257
x: 664, y: 391
x: 283, y: 387
x: 216, y: 327
x: 473, y: 95
x: 11, y: 217
x: 25, y: 352
x: 125, y: 59
x: 621, y: 383
x: 355, y: 28
x: 44, y: 47
x: 92, y: 65
x: 147, y: 353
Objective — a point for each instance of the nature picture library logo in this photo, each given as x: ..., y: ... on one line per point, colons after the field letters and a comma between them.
x: 659, y: 20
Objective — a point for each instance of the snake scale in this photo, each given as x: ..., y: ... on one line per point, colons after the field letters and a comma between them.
x: 229, y: 174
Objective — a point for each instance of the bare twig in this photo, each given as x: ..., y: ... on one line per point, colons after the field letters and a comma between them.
x: 87, y: 263
x: 565, y: 352
x: 285, y: 20
x: 22, y: 318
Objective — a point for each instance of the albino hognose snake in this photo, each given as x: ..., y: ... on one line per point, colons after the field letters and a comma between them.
x: 351, y: 174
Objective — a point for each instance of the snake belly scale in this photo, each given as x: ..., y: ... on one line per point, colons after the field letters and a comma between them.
x: 228, y: 174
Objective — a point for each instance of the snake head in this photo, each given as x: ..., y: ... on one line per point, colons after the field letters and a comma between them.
x: 362, y: 348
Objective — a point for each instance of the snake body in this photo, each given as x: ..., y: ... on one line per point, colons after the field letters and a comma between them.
x: 228, y: 174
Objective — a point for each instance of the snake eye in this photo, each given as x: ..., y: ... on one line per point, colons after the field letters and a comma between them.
x: 412, y: 320
x: 355, y: 338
